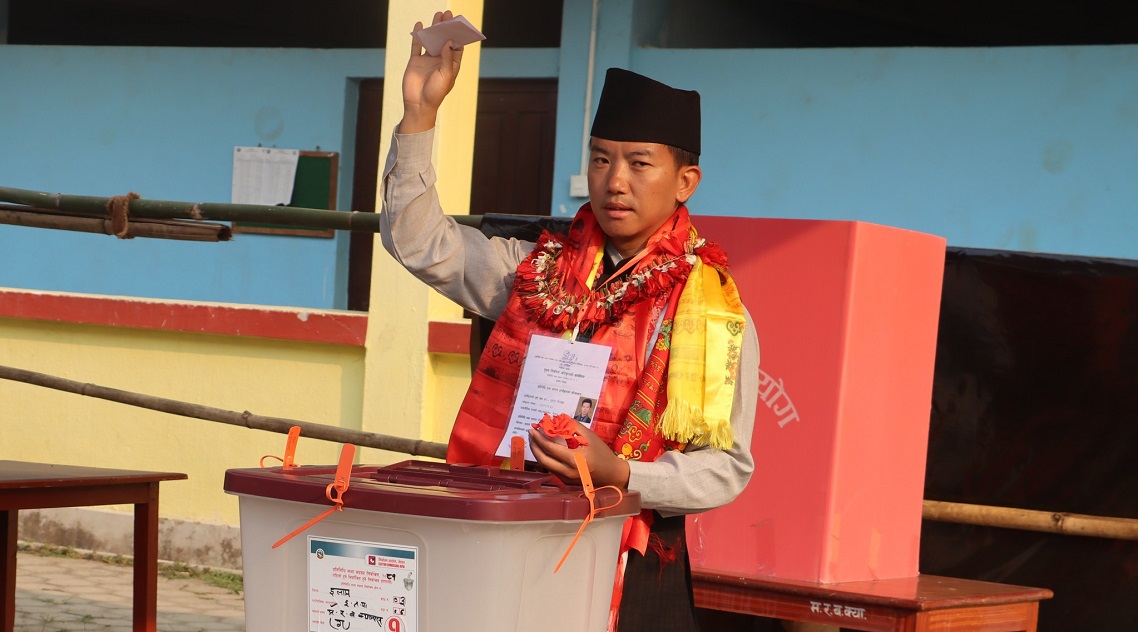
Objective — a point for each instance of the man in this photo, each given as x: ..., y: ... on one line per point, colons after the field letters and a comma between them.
x: 674, y: 418
x: 584, y: 411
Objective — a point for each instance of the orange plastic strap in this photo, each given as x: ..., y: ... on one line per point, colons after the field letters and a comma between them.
x: 517, y: 453
x: 290, y: 450
x: 334, y: 491
x: 590, y: 494
x: 586, y: 478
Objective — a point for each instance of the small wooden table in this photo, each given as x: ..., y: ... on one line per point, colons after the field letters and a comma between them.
x: 41, y: 486
x: 925, y: 603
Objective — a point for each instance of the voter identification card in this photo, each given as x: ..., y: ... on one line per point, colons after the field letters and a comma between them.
x: 434, y: 37
x: 557, y: 376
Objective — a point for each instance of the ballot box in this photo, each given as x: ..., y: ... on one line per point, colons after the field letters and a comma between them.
x: 423, y: 546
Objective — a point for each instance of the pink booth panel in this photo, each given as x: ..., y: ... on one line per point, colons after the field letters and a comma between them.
x: 846, y: 315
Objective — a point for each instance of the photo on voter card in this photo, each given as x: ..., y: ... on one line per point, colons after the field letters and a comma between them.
x: 585, y: 408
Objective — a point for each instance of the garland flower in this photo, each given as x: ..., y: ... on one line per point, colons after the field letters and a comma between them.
x: 541, y: 280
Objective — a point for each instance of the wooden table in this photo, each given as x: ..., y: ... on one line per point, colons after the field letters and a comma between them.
x: 41, y: 485
x: 925, y: 603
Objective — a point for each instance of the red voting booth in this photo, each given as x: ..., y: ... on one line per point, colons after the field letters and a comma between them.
x: 846, y: 315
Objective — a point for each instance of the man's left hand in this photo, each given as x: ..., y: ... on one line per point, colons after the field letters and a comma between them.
x: 605, y: 468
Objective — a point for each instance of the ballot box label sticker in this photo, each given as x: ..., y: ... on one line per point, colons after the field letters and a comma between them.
x: 362, y: 586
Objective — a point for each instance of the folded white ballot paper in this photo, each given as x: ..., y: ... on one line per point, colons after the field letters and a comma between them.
x: 434, y: 37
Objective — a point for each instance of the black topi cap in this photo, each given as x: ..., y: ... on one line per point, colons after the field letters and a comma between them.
x: 636, y: 108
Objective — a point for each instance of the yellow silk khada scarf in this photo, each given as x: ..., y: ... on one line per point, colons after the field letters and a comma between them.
x: 704, y: 362
x: 685, y: 394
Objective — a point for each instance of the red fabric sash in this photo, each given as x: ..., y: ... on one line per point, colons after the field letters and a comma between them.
x: 485, y: 411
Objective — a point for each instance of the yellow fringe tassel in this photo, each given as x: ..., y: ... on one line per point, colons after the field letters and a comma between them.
x: 685, y: 423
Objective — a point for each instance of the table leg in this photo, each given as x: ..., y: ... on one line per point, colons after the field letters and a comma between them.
x: 146, y: 563
x: 8, y: 524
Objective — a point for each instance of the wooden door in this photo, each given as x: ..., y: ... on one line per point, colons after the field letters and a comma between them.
x: 364, y: 179
x: 514, y: 138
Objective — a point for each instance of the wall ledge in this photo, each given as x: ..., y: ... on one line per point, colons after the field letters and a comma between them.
x: 279, y: 323
x: 256, y: 321
x: 448, y: 337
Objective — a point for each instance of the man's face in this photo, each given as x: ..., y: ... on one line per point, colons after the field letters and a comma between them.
x: 586, y: 408
x: 634, y: 187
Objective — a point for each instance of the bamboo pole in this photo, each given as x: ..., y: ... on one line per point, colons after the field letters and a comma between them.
x: 161, y: 209
x: 247, y: 419
x: 152, y: 228
x: 940, y: 511
x: 1031, y: 520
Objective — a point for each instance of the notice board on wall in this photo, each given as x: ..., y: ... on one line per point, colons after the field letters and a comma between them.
x: 314, y: 186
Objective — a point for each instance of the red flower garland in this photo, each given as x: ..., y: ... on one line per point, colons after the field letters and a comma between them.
x: 540, y: 282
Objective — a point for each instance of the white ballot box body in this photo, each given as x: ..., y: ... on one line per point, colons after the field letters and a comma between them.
x: 424, y: 546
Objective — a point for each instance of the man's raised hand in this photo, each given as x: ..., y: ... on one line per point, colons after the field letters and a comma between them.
x: 427, y: 80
